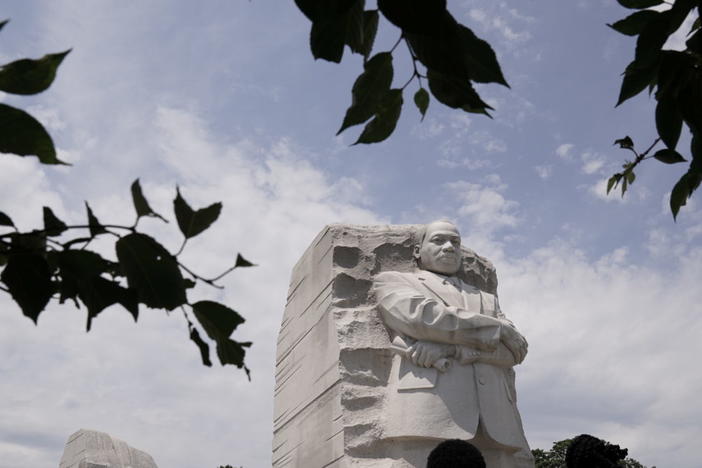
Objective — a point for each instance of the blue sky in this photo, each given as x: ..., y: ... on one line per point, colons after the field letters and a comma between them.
x: 225, y: 99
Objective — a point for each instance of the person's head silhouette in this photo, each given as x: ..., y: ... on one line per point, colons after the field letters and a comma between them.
x: 455, y: 454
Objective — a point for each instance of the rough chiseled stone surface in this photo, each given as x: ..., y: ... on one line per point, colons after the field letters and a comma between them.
x: 93, y: 449
x: 333, y: 361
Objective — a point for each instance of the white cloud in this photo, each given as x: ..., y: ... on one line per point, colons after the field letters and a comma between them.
x: 564, y: 151
x: 606, y: 338
x: 592, y: 162
x: 484, y: 206
x: 544, y: 171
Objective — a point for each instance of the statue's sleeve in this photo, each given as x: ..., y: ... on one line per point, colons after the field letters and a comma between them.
x: 409, y: 311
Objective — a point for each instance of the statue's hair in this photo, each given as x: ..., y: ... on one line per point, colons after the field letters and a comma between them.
x: 455, y: 453
x: 421, y: 231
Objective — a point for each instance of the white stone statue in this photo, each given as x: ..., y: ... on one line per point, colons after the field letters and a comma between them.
x: 378, y: 360
x: 452, y: 376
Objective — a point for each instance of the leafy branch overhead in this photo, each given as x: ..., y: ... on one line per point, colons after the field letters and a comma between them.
x: 674, y: 77
x: 20, y: 133
x: 49, y: 264
x: 445, y: 54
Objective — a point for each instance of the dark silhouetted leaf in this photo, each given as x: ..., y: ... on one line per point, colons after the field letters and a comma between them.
x: 191, y: 222
x: 80, y: 272
x: 3, y: 23
x: 669, y: 156
x: 414, y: 16
x: 5, y: 220
x: 354, y: 28
x: 201, y: 344
x: 242, y: 262
x: 22, y: 134
x: 625, y: 142
x: 218, y: 321
x: 668, y: 121
x: 368, y: 90
x: 188, y: 283
x: 151, y: 271
x: 28, y: 279
x: 678, y: 197
x: 53, y: 225
x: 370, y: 29
x: 421, y: 99
x: 385, y: 120
x: 634, y: 23
x: 695, y: 42
x: 456, y: 93
x: 639, y: 3
x: 93, y: 223
x: 330, y: 26
x: 480, y: 60
x: 141, y: 206
x: 651, y: 40
x: 636, y: 79
x: 28, y: 76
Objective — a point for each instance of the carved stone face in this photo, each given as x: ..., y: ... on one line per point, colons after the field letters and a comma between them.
x: 440, y: 251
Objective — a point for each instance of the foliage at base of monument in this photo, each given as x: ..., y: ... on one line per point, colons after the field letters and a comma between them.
x: 49, y: 263
x: 444, y: 52
x: 556, y: 456
x: 675, y: 79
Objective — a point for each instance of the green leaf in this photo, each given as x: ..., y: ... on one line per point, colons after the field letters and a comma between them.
x: 5, y: 220
x: 669, y: 156
x: 639, y: 3
x: 219, y: 322
x: 456, y: 93
x: 370, y: 29
x: 242, y: 262
x: 191, y: 222
x: 630, y: 177
x: 22, y: 134
x: 636, y: 79
x: 385, y: 120
x: 201, y: 344
x: 678, y: 197
x: 612, y: 182
x: 421, y: 99
x: 668, y: 121
x: 93, y: 223
x: 634, y: 24
x: 368, y: 90
x: 625, y: 143
x: 52, y: 224
x: 141, y: 206
x: 151, y: 271
x: 479, y: 58
x: 28, y: 279
x: 28, y: 76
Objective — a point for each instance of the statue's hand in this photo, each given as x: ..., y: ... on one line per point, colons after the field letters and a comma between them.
x: 426, y: 353
x: 515, y: 342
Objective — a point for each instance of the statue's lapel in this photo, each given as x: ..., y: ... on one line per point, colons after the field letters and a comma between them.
x: 441, y: 289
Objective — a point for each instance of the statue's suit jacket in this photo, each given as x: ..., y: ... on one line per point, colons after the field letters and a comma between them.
x: 423, y: 402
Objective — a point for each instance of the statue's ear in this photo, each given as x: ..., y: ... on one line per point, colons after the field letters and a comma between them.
x: 415, y: 253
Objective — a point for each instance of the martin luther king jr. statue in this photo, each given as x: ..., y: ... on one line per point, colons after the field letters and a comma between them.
x: 452, y: 375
